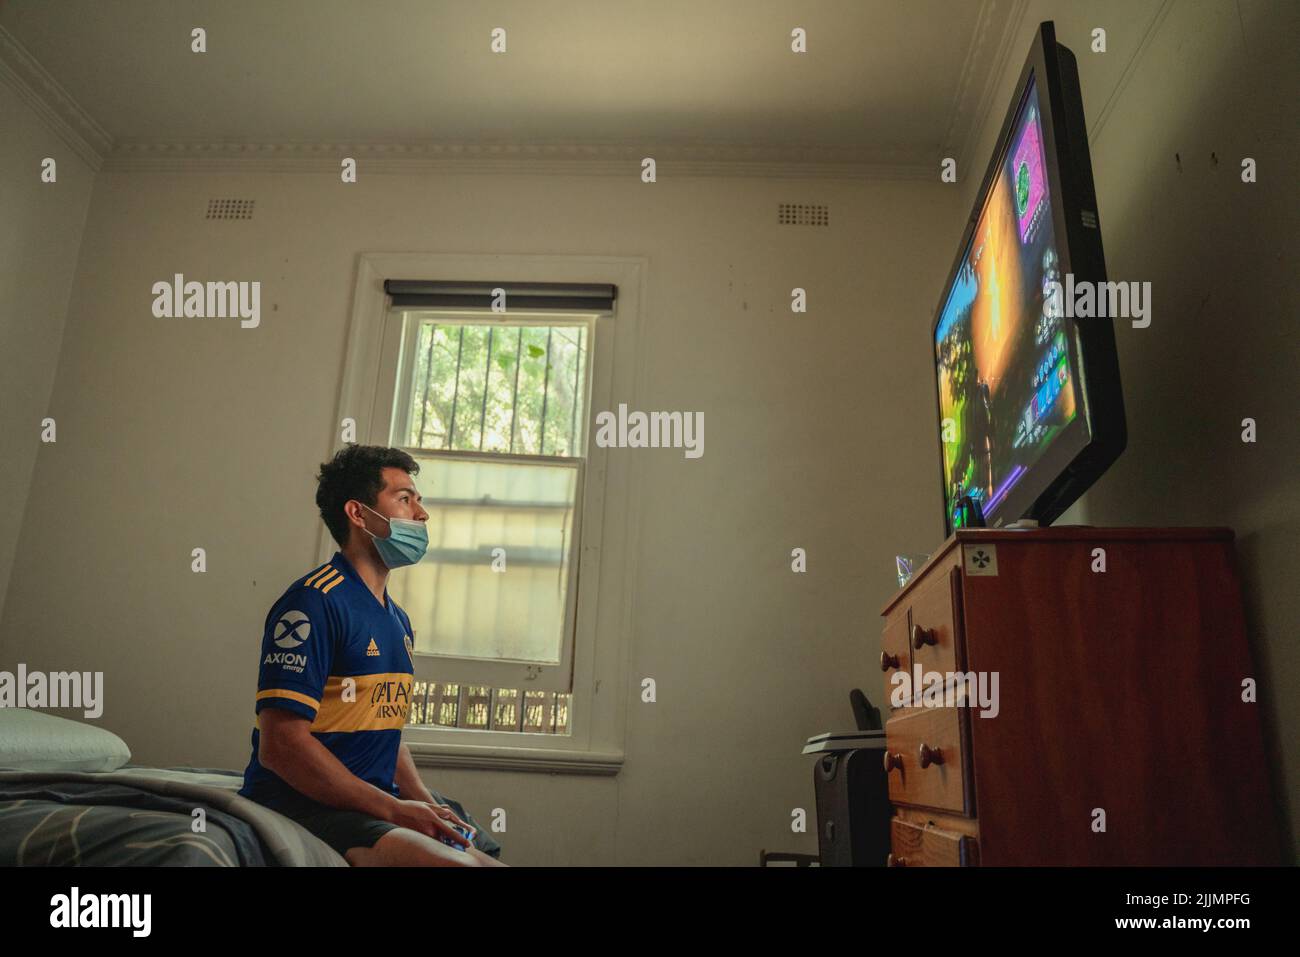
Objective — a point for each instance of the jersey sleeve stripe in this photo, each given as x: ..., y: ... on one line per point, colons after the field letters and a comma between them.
x: 333, y: 578
x: 318, y: 575
x: 327, y: 588
x: 291, y: 695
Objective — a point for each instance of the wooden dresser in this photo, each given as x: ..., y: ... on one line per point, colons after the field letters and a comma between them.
x: 1121, y: 736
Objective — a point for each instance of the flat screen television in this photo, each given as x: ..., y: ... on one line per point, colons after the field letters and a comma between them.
x: 1030, y: 410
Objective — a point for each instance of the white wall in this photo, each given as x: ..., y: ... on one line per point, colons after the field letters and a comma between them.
x: 177, y: 433
x: 1213, y: 78
x: 40, y: 236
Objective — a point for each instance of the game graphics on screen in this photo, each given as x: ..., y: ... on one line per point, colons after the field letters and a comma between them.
x: 1005, y: 384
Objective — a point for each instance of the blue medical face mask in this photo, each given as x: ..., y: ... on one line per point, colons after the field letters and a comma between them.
x: 406, y: 543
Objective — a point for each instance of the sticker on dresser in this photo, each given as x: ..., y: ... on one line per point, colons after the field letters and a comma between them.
x: 980, y: 559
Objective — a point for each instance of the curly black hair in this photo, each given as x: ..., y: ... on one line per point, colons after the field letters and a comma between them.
x: 355, y: 472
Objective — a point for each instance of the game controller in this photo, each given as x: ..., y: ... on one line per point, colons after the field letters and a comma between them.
x: 467, y: 833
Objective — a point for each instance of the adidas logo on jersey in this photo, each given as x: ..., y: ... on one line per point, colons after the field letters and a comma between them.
x: 373, y: 650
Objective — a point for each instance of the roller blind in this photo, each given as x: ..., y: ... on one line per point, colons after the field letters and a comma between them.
x: 539, y: 296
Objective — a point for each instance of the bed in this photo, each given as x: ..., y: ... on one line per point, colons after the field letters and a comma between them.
x: 69, y: 797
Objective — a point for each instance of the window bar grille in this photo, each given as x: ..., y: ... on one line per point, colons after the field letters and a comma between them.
x: 461, y: 704
x: 514, y: 396
x: 487, y: 375
x: 455, y: 395
x: 428, y: 377
x: 546, y: 388
x: 492, y: 710
x: 519, y: 710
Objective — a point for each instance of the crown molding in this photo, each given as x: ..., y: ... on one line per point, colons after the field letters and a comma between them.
x: 61, y: 113
x: 56, y: 108
x: 577, y: 158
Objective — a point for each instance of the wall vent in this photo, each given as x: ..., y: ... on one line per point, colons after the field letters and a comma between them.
x: 803, y: 214
x: 230, y: 208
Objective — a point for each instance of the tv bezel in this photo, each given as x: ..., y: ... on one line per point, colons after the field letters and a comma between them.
x: 1097, y: 435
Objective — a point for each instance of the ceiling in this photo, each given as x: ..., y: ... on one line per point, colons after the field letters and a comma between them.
x: 884, y: 83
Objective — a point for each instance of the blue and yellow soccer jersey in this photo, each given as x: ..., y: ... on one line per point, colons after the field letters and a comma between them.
x: 334, y: 655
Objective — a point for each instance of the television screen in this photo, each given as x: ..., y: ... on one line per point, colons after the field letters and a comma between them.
x: 1016, y: 432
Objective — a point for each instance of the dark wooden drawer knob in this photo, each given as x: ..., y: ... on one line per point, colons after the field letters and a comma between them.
x: 893, y: 861
x: 930, y: 755
x: 888, y: 661
x: 922, y: 636
x: 892, y: 760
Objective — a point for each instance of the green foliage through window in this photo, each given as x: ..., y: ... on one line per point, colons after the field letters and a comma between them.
x: 488, y: 387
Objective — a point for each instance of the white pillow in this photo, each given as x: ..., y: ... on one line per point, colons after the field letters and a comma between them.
x: 32, y: 741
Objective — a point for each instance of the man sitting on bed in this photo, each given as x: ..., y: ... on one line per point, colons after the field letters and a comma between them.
x: 336, y: 676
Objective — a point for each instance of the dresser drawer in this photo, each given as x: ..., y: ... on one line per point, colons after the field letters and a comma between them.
x: 914, y: 845
x: 936, y: 738
x: 934, y: 636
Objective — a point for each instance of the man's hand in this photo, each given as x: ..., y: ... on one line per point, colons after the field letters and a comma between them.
x: 431, y: 819
x: 445, y: 812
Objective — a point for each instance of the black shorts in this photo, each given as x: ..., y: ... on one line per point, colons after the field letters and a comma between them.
x: 341, y: 830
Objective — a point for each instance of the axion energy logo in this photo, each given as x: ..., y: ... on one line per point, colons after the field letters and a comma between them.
x: 292, y: 629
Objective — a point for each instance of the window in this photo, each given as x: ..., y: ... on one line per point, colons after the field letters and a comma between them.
x: 489, y: 691
x: 494, y: 410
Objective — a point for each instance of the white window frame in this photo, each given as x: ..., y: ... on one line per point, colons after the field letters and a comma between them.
x: 607, y: 537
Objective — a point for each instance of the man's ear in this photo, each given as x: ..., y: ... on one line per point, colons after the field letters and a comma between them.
x: 355, y: 513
